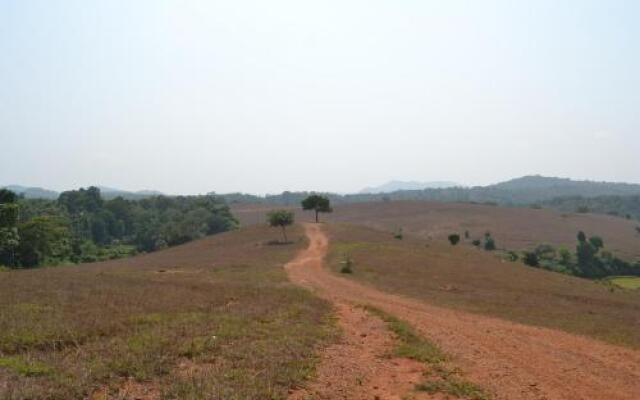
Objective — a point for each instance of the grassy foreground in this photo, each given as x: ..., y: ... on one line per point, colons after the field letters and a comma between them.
x: 213, y: 319
x: 473, y: 280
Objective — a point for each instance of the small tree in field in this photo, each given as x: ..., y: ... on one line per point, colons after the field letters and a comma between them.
x: 318, y: 204
x: 282, y: 219
x: 454, y: 239
x: 489, y: 243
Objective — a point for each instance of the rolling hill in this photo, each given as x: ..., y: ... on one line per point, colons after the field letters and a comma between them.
x: 514, y: 228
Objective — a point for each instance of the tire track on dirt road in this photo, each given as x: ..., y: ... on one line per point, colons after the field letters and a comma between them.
x: 511, y: 360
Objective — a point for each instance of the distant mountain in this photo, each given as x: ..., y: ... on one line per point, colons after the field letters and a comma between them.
x: 33, y: 192
x: 536, y: 188
x: 516, y: 192
x: 394, y: 186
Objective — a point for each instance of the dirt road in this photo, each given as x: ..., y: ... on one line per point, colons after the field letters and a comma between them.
x: 512, y: 361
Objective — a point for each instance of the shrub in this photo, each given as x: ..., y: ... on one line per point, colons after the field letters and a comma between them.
x: 347, y: 266
x: 454, y: 239
x: 489, y: 243
x: 398, y: 234
x: 596, y: 241
x: 565, y: 256
x: 545, y: 252
x: 512, y: 256
x: 476, y: 242
x: 531, y: 259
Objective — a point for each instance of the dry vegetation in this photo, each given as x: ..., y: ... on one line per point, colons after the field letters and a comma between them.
x: 212, y: 319
x: 470, y: 279
x: 513, y: 228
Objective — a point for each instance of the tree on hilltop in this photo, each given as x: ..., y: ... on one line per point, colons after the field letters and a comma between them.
x: 318, y: 204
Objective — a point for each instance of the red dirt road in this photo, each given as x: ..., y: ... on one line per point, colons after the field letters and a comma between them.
x: 510, y: 360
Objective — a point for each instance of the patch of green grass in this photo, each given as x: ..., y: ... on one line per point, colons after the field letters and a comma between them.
x: 25, y: 368
x: 440, y: 379
x: 626, y: 282
x: 411, y: 345
x: 454, y: 387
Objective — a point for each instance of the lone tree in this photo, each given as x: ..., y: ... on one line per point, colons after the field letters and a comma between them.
x: 282, y: 219
x: 317, y: 203
x: 454, y: 239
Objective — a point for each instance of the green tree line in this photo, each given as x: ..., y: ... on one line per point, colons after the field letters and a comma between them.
x: 590, y: 259
x: 80, y: 226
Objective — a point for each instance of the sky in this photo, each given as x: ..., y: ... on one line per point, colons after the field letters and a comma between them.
x: 264, y: 96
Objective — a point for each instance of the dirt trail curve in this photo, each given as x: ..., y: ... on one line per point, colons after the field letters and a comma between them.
x: 512, y: 361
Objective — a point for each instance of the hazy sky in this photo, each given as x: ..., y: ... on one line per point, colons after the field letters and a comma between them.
x: 194, y: 96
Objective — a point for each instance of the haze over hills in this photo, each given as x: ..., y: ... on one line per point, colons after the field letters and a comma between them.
x: 32, y: 192
x: 519, y: 191
x: 396, y: 185
x: 107, y: 192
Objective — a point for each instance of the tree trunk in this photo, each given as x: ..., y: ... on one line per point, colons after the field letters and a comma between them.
x: 284, y: 233
x: 316, y: 216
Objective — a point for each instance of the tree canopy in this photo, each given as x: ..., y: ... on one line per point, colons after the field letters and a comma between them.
x: 282, y: 219
x: 318, y: 204
x: 80, y: 226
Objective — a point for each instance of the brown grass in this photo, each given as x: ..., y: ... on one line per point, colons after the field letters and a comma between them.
x: 513, y: 228
x: 470, y: 279
x: 212, y: 319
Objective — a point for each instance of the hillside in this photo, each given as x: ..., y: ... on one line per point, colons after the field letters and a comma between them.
x: 621, y: 206
x: 465, y: 278
x: 521, y: 191
x: 209, y: 317
x: 513, y: 228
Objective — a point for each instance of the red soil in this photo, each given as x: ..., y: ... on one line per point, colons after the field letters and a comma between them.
x: 512, y: 361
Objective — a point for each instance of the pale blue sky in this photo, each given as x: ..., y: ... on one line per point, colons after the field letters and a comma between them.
x: 194, y: 96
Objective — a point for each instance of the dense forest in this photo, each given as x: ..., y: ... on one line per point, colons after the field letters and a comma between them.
x: 81, y: 226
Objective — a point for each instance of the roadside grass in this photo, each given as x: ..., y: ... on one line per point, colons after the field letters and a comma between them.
x: 472, y: 280
x: 439, y: 378
x: 625, y: 282
x: 213, y: 319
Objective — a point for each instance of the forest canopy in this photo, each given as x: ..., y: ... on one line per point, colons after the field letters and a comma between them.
x: 81, y: 226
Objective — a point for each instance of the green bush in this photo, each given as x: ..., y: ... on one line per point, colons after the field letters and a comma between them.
x: 347, y: 266
x: 454, y: 239
x: 398, y: 234
x: 489, y: 243
x: 531, y: 259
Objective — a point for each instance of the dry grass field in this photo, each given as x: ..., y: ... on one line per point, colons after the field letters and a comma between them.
x: 466, y: 278
x: 213, y: 319
x: 512, y: 228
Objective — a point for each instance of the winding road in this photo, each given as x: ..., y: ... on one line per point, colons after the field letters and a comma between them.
x: 512, y: 361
